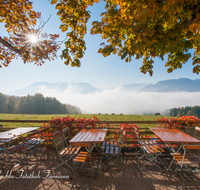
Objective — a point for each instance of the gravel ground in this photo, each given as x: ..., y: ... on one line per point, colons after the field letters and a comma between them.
x: 42, y: 176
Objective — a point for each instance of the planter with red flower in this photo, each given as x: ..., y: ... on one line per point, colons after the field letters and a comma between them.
x: 190, y: 123
x: 185, y: 123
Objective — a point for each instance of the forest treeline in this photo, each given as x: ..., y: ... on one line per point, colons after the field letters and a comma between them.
x: 188, y: 110
x: 35, y: 104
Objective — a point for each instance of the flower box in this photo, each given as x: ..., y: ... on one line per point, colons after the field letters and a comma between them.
x: 188, y: 130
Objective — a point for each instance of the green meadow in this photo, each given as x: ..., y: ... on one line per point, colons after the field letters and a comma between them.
x: 103, y: 117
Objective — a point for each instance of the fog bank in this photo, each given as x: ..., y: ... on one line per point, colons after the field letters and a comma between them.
x: 123, y: 101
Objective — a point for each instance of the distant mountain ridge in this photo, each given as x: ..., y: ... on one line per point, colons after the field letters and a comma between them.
x: 172, y: 85
x: 37, y: 87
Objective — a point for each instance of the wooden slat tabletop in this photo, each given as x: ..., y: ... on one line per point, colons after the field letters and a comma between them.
x: 89, y: 136
x: 16, y: 132
x: 174, y: 136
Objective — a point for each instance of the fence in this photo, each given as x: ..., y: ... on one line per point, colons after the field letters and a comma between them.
x: 130, y: 141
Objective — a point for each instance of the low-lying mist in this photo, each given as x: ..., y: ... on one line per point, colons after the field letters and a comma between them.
x: 120, y: 101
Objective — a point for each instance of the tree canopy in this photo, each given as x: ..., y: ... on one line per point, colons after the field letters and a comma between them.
x: 35, y: 104
x: 129, y: 28
x: 188, y: 110
x: 19, y: 19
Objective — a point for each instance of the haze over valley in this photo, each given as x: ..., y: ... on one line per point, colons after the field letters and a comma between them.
x: 126, y: 99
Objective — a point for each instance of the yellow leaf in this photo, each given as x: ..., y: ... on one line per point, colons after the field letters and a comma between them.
x: 54, y: 1
x: 165, y: 8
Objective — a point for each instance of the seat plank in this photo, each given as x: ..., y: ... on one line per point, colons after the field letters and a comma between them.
x: 116, y: 150
x: 156, y: 146
x: 107, y: 143
x: 107, y: 150
x: 148, y: 148
x: 69, y: 150
x: 192, y: 146
x: 81, y: 157
x: 195, y: 151
x: 111, y: 143
x: 188, y: 159
x: 102, y: 148
x: 112, y: 150
x: 152, y: 146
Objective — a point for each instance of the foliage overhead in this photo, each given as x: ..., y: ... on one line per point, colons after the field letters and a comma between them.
x: 19, y: 18
x: 129, y: 28
x: 135, y: 28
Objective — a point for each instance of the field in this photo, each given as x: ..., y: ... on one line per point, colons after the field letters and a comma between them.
x: 87, y: 116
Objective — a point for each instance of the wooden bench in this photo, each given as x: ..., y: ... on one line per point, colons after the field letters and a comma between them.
x: 187, y: 158
x: 21, y: 148
x: 86, y: 157
x: 110, y: 147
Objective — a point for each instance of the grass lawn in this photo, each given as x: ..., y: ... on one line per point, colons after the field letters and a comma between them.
x: 103, y: 117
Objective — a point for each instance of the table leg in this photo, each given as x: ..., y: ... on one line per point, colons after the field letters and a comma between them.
x: 172, y: 149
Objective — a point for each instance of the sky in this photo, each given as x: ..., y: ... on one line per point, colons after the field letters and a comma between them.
x: 95, y: 69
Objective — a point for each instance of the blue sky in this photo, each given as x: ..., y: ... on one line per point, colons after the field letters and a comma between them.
x: 95, y: 69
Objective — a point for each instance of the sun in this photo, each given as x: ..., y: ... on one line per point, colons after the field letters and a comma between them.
x: 33, y: 38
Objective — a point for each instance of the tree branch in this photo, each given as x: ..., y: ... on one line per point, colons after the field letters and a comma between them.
x: 16, y: 50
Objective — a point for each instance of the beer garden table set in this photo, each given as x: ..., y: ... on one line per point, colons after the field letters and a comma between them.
x: 185, y: 154
x: 90, y: 138
x: 169, y: 136
x: 7, y: 138
x: 87, y: 139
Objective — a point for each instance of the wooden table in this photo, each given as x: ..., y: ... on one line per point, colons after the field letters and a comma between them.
x: 174, y: 136
x: 87, y: 139
x: 7, y: 135
x: 91, y: 136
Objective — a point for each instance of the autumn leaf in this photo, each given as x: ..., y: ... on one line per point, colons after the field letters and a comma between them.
x: 129, y: 28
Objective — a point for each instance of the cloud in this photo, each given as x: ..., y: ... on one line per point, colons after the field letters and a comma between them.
x: 118, y: 100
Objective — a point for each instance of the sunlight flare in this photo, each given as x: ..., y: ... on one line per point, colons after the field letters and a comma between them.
x: 33, y: 38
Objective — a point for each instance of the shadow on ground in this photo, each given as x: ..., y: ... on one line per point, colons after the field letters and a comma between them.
x: 42, y: 176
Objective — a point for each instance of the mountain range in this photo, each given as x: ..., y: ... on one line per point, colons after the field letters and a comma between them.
x: 38, y: 87
x: 173, y: 85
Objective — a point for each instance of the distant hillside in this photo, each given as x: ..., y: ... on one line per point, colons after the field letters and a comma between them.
x: 174, y: 85
x: 36, y: 104
x: 39, y: 87
x: 135, y: 98
x: 188, y: 110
